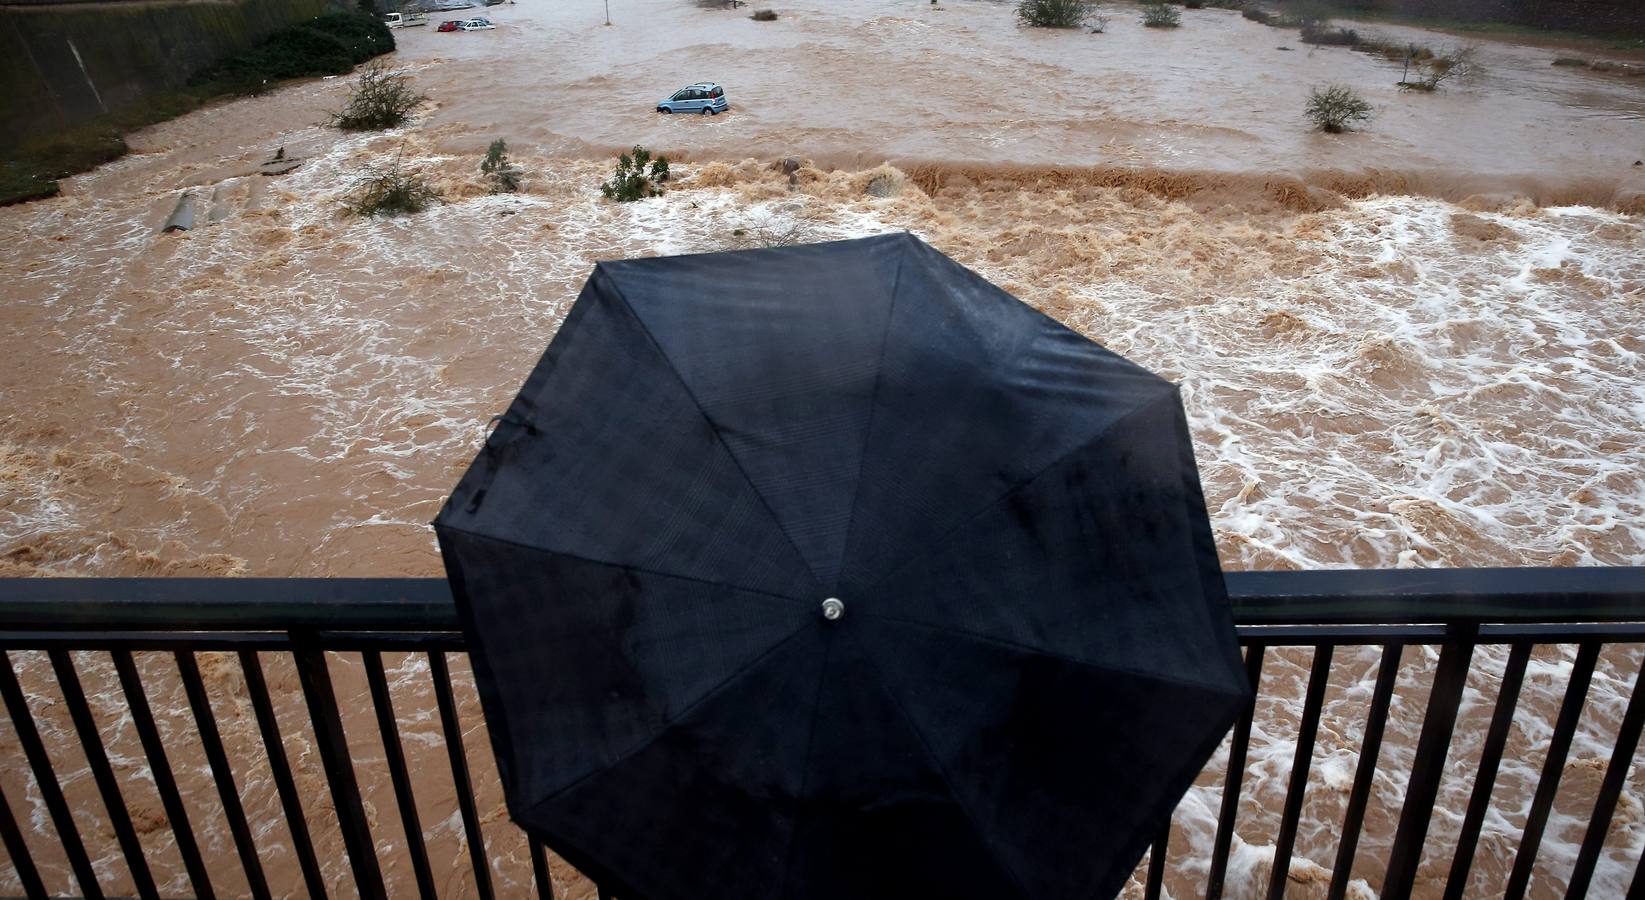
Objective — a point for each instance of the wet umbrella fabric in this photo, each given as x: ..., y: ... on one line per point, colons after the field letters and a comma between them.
x: 1032, y: 655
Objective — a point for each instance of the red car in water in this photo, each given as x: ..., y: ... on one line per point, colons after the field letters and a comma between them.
x: 450, y: 25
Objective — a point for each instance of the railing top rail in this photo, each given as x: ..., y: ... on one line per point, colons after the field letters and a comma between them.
x: 1321, y: 597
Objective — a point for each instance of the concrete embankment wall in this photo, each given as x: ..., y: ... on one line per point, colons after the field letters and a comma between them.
x: 63, y: 64
x: 1619, y: 17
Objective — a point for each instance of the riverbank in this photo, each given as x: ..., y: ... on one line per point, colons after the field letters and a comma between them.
x: 60, y: 142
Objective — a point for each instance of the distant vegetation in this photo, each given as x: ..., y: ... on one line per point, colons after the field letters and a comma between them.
x: 390, y: 191
x: 1160, y: 15
x: 1054, y: 13
x: 638, y: 176
x: 764, y: 15
x: 327, y: 45
x: 1337, y: 108
x: 379, y: 100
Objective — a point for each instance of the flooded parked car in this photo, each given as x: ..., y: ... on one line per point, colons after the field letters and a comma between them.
x: 477, y: 25
x: 705, y: 98
x: 450, y: 25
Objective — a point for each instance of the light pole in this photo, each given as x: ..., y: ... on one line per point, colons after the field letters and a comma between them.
x: 608, y: 12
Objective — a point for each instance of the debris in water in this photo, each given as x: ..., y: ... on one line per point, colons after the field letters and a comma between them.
x: 182, y: 215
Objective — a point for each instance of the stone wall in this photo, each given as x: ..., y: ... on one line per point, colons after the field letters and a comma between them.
x: 62, y: 65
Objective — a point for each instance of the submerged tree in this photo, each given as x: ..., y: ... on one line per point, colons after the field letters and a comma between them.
x: 499, y: 170
x: 1337, y: 108
x: 390, y: 191
x: 1054, y: 13
x: 633, y: 180
x: 379, y: 100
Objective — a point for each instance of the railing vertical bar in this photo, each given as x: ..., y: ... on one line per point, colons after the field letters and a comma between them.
x: 1490, y: 758
x: 1236, y: 776
x: 1319, y: 676
x: 1559, y: 746
x: 383, y: 704
x: 459, y: 771
x: 345, y: 792
x: 1156, y: 863
x: 539, y: 870
x: 1433, y: 744
x: 22, y: 862
x: 290, y: 800
x: 97, y: 759
x: 1636, y: 887
x: 1360, y: 795
x: 206, y: 722
x: 29, y: 736
x: 165, y: 784
x: 1616, y: 772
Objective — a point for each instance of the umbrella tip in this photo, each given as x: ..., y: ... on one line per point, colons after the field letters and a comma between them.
x: 832, y: 609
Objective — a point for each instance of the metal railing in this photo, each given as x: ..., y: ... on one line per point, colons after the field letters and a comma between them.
x: 1453, y: 610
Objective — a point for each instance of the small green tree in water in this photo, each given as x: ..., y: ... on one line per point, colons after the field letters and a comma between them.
x: 632, y: 180
x: 502, y: 173
x: 1337, y: 108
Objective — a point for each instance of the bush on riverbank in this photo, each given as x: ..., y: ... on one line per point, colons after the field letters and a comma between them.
x: 380, y: 100
x: 1053, y: 13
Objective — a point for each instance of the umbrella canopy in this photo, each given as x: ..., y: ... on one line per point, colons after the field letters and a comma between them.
x: 835, y: 571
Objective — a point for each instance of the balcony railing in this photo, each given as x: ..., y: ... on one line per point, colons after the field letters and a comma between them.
x: 1522, y: 611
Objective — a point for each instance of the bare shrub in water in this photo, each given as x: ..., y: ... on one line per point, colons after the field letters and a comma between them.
x: 1054, y: 13
x: 379, y: 100
x: 633, y: 180
x: 765, y: 15
x: 1337, y: 108
x: 499, y: 170
x: 1160, y: 15
x: 1436, y: 70
x: 390, y: 191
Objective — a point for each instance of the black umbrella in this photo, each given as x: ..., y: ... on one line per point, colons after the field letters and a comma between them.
x: 835, y: 571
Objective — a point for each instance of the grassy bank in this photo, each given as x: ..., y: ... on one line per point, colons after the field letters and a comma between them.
x: 326, y: 45
x: 1501, y: 30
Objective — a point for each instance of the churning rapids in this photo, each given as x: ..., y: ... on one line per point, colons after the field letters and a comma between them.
x: 1421, y: 345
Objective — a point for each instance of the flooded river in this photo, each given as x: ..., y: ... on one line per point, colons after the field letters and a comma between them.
x: 1420, y: 345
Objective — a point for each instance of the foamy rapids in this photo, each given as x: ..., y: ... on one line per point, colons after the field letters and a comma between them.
x: 1383, y: 381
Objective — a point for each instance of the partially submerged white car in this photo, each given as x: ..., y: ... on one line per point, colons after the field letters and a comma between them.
x: 476, y: 24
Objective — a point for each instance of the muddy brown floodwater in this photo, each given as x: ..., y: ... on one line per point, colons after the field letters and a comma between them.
x: 1420, y: 345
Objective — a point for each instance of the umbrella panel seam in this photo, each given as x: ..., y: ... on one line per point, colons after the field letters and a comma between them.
x: 948, y: 784
x: 480, y: 535
x: 805, y: 768
x: 674, y: 720
x: 719, y: 437
x: 1059, y: 657
x: 873, y: 404
x: 1085, y: 444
